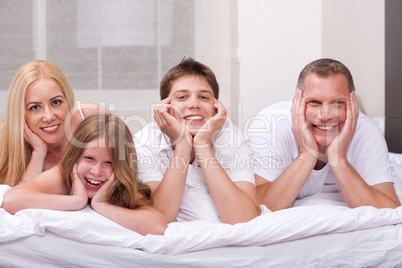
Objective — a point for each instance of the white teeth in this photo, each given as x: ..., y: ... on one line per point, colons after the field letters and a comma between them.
x: 93, y: 181
x: 50, y: 128
x: 325, y: 127
x: 194, y: 117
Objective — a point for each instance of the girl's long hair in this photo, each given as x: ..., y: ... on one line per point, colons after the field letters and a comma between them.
x: 119, y: 141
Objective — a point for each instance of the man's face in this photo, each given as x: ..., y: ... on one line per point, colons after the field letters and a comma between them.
x: 325, y: 106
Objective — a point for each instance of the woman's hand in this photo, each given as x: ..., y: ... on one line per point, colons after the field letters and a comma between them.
x: 38, y: 145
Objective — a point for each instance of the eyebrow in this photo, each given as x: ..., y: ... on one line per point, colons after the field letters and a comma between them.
x: 37, y: 102
x: 187, y: 90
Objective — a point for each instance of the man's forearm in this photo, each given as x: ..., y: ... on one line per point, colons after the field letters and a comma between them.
x: 357, y: 192
x: 281, y: 193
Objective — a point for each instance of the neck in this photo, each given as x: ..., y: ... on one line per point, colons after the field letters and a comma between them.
x: 57, y: 150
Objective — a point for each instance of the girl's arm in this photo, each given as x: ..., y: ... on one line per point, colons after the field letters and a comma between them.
x: 144, y: 220
x: 47, y: 191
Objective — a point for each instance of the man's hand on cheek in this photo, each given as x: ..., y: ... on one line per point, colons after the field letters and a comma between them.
x: 300, y: 126
x: 338, y: 147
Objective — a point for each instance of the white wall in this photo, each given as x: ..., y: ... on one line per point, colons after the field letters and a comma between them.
x: 277, y: 38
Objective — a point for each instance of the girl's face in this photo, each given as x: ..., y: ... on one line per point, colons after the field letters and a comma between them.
x: 94, y: 166
x: 46, y: 109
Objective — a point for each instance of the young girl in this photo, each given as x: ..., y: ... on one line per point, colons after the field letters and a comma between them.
x: 99, y: 168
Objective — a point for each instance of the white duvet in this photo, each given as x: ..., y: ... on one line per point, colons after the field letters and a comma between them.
x: 305, y: 220
x: 320, y: 214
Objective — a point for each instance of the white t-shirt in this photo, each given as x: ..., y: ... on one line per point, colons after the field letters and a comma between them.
x: 154, y: 153
x: 275, y: 148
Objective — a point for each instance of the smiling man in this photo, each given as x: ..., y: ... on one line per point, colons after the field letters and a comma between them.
x: 320, y: 143
x: 195, y: 161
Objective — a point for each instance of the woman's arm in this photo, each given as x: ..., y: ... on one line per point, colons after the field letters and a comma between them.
x: 38, y: 155
x: 47, y: 191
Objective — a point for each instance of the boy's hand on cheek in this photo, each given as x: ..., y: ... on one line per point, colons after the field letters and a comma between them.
x: 208, y: 132
x: 169, y: 119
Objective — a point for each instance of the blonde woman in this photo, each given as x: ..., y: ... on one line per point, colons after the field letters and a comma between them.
x: 39, y: 116
x: 99, y: 168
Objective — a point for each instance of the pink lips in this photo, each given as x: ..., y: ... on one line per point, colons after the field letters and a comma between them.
x: 91, y: 186
x: 51, y: 129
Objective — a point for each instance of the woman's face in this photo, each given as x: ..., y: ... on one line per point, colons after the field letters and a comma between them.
x: 94, y: 166
x: 46, y: 109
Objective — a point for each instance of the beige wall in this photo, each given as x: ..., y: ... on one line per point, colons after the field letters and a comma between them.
x: 278, y: 37
x: 353, y: 31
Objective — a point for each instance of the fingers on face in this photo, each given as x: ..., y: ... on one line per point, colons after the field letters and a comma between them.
x: 111, y: 181
x: 75, y: 170
x: 352, y: 108
x: 164, y: 111
x: 298, y: 107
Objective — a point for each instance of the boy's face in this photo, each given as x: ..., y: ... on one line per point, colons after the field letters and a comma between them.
x: 194, y: 100
x: 325, y: 106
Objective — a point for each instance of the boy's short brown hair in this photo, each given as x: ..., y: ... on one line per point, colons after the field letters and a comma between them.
x: 188, y: 66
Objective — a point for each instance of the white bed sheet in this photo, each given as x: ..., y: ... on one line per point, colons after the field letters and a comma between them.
x: 316, y: 232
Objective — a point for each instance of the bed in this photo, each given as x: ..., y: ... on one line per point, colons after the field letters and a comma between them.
x: 317, y: 231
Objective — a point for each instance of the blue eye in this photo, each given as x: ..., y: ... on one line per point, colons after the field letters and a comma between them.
x: 313, y: 103
x: 339, y: 103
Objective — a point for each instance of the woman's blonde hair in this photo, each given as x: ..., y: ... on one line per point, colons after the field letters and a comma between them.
x: 15, y: 152
x: 119, y: 142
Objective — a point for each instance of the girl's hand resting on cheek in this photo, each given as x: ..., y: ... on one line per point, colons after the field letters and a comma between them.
x: 101, y: 196
x: 79, y: 191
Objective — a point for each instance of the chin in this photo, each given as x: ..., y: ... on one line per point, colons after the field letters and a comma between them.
x: 90, y: 194
x: 323, y: 141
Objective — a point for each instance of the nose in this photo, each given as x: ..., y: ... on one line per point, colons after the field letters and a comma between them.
x: 327, y: 112
x: 48, y: 115
x: 194, y: 102
x: 96, y: 170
